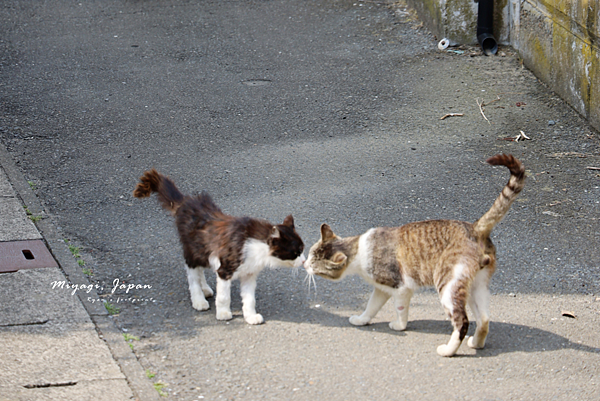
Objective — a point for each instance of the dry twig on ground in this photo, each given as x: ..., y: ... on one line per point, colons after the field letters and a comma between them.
x: 481, y: 109
x: 451, y: 115
x: 487, y: 104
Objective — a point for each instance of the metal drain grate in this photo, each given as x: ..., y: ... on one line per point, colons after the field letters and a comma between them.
x: 17, y: 255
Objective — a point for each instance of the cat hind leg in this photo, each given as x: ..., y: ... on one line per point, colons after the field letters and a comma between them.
x: 195, y: 279
x: 454, y: 301
x: 479, y: 302
x: 401, y: 303
x: 377, y: 300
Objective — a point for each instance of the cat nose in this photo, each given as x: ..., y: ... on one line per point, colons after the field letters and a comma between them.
x: 300, y: 260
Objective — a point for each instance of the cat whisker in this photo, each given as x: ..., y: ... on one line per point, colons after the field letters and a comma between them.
x: 310, y: 278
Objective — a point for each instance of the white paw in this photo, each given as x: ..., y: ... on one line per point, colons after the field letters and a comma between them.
x: 200, y: 304
x: 397, y: 325
x: 224, y: 315
x: 471, y: 343
x: 359, y: 320
x: 208, y: 292
x: 254, y: 319
x: 445, y: 350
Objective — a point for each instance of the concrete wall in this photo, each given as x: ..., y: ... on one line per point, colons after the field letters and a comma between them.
x: 559, y: 40
x: 457, y: 19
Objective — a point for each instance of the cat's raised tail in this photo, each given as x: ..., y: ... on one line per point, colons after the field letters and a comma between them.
x: 168, y: 195
x: 509, y: 193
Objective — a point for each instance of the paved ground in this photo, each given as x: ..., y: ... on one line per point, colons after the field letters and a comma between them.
x: 330, y: 111
x: 53, y: 346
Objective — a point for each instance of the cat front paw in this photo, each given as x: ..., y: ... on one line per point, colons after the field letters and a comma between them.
x: 397, y: 325
x: 475, y: 344
x: 254, y: 319
x: 359, y: 320
x: 200, y: 304
x: 208, y: 292
x: 224, y: 315
x: 445, y: 350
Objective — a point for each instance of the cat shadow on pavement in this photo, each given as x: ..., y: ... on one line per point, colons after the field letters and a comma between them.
x: 503, y: 338
x: 277, y: 305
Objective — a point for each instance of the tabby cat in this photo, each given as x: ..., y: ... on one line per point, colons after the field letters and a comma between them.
x: 456, y: 257
x: 233, y: 247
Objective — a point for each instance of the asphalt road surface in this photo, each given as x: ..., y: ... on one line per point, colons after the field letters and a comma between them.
x: 330, y: 111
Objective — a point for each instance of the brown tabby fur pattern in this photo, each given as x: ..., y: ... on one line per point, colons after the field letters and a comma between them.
x: 455, y: 257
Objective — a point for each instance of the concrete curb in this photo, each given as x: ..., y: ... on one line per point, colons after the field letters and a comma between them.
x: 123, y: 355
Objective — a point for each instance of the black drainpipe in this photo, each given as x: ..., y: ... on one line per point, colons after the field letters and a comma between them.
x: 485, y: 27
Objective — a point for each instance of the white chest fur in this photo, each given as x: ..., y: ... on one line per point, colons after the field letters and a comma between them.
x: 256, y: 256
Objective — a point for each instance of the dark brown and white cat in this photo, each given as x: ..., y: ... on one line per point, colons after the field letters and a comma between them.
x: 456, y: 257
x: 233, y: 247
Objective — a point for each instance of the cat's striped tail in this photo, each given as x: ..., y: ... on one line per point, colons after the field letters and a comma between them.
x: 509, y: 193
x: 168, y: 195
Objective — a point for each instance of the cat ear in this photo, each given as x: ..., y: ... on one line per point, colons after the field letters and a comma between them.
x: 289, y: 221
x: 339, y: 258
x: 326, y: 233
x: 275, y: 232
